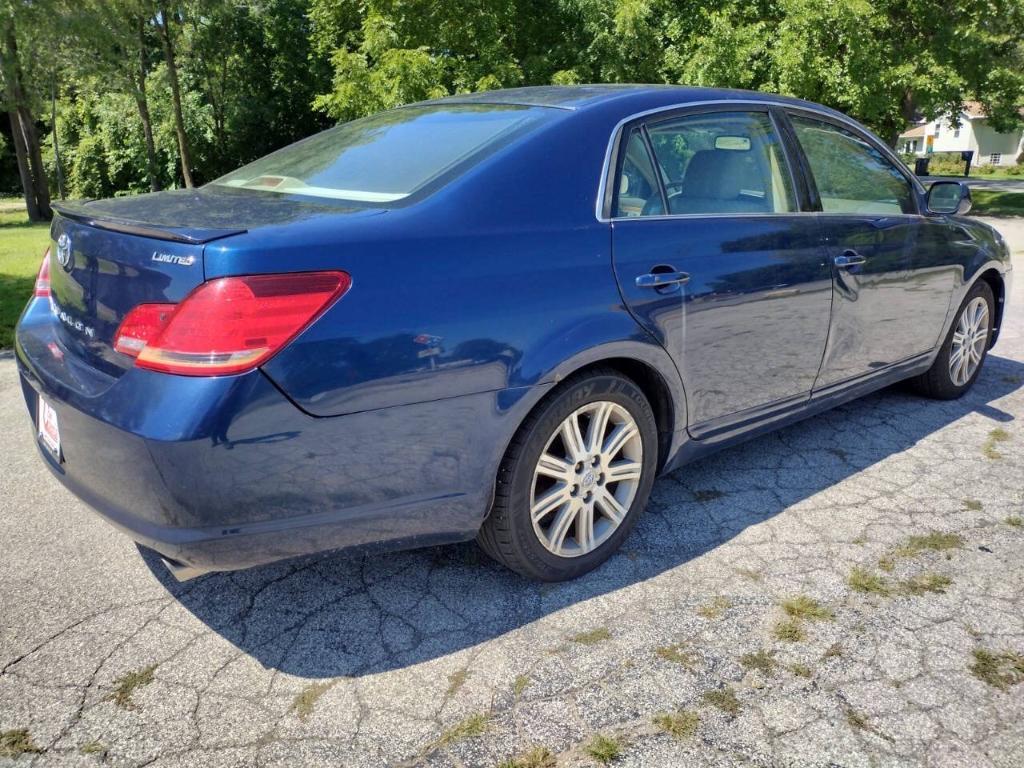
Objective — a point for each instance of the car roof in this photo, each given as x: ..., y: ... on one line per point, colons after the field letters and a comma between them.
x: 631, y: 97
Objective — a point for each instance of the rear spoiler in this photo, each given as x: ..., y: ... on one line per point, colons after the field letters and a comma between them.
x: 82, y: 212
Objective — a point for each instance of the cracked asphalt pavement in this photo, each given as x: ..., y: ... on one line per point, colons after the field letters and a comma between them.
x: 845, y: 592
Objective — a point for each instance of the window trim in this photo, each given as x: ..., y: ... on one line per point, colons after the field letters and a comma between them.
x: 624, y: 129
x: 916, y: 190
x: 606, y: 190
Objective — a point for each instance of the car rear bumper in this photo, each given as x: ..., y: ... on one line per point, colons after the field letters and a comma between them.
x: 225, y: 473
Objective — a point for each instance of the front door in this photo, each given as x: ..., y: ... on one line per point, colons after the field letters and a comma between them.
x: 885, y: 306
x: 714, y: 259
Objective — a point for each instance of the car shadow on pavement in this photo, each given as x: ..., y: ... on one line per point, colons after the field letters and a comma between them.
x: 333, y: 615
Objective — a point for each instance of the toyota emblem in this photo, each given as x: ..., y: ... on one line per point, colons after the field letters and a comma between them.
x: 64, y: 251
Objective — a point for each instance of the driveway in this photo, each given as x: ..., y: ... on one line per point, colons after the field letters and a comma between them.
x: 846, y: 592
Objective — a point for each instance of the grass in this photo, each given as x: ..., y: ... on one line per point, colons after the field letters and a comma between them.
x: 724, y: 699
x: 520, y: 684
x: 21, y: 252
x: 714, y: 609
x: 790, y: 631
x: 455, y: 681
x: 127, y: 684
x: 1015, y: 521
x: 603, y: 748
x: 538, y: 757
x: 762, y: 661
x: 1000, y: 669
x: 995, y: 437
x: 834, y: 651
x: 856, y: 720
x: 676, y: 654
x: 593, y: 637
x: 923, y: 583
x: 681, y: 724
x: 934, y: 541
x: 972, y: 505
x: 803, y: 607
x: 801, y: 670
x: 17, y: 741
x: 305, y: 702
x: 472, y: 726
x: 987, y: 202
x: 93, y: 748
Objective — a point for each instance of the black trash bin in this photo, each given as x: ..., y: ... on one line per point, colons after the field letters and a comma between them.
x: 921, y: 166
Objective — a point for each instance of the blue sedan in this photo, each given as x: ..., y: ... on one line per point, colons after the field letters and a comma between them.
x: 496, y: 316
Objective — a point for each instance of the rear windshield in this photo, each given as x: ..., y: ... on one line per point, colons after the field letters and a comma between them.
x: 387, y: 157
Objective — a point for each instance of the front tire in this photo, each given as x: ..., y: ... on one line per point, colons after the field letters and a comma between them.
x: 574, y: 479
x: 963, y: 352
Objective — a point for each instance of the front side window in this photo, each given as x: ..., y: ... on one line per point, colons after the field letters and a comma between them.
x: 716, y: 163
x: 387, y: 157
x: 852, y: 175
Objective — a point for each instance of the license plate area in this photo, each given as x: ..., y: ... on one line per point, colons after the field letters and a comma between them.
x: 48, y: 428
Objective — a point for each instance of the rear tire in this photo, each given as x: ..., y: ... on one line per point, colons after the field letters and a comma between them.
x: 964, y: 349
x: 559, y: 518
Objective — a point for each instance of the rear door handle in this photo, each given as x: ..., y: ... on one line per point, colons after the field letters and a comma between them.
x: 661, y: 279
x: 849, y: 259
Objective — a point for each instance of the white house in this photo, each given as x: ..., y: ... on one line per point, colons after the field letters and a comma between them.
x: 973, y: 133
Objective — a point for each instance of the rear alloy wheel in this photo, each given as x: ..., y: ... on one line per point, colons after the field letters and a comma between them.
x: 574, y: 479
x: 962, y: 354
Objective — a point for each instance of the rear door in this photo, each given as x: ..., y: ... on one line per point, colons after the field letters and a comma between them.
x: 888, y: 305
x: 714, y: 257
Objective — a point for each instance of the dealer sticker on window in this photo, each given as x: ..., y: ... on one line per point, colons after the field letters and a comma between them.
x: 49, y: 431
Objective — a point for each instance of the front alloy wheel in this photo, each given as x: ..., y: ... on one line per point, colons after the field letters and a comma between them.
x: 574, y: 479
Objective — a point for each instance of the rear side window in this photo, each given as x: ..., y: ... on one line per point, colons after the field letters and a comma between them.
x: 851, y: 175
x: 717, y: 163
x: 390, y: 156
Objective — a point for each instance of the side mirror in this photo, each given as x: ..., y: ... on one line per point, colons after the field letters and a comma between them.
x: 949, y: 197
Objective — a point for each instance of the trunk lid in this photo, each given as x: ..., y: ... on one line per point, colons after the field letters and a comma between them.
x: 108, y: 256
x: 98, y: 275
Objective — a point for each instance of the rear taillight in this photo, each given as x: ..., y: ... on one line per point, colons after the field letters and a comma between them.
x: 43, y: 278
x: 228, y: 325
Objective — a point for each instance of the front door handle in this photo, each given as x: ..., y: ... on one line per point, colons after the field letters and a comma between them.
x: 849, y: 259
x: 662, y: 279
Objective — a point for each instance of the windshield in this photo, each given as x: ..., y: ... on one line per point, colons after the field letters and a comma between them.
x: 389, y: 156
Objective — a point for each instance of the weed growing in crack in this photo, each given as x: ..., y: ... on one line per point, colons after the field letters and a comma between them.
x: 834, y: 651
x: 933, y: 541
x: 789, y: 630
x: 708, y: 495
x: 762, y: 661
x: 801, y: 670
x: 925, y: 582
x: 307, y: 698
x: 714, y: 609
x: 862, y: 580
x: 93, y: 748
x: 593, y: 637
x: 803, y: 607
x: 538, y: 757
x: 472, y: 726
x: 1015, y: 521
x: 456, y: 680
x: 1000, y: 669
x: 973, y: 505
x: 676, y: 654
x: 724, y: 699
x: 519, y: 685
x: 604, y: 748
x: 995, y: 437
x: 681, y: 724
x: 126, y: 685
x: 17, y: 741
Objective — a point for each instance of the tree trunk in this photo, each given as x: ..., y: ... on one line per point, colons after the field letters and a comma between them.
x: 61, y: 189
x: 172, y: 75
x: 142, y: 101
x: 31, y: 207
x: 23, y: 131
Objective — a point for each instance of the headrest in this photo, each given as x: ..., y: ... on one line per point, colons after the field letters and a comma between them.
x: 717, y: 174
